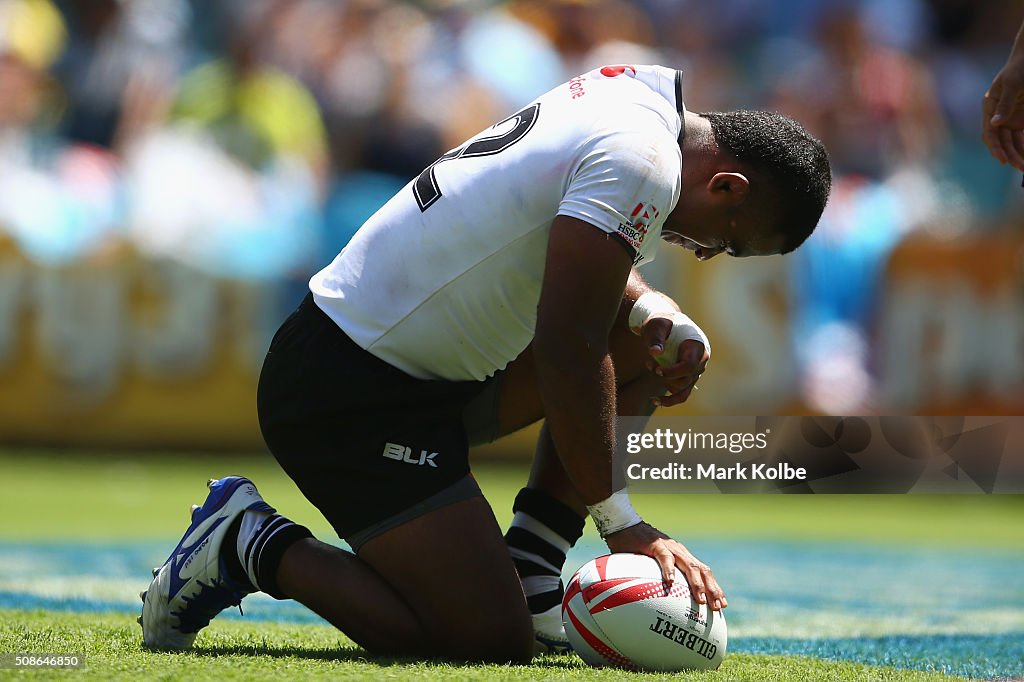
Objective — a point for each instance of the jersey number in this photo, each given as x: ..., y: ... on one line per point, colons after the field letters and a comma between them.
x: 425, y: 188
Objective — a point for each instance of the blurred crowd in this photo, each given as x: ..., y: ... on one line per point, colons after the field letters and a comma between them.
x: 250, y: 138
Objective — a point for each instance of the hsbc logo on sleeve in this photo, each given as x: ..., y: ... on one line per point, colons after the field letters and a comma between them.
x: 635, y: 231
x: 403, y: 453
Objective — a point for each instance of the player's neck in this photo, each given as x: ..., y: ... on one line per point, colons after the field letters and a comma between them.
x: 699, y: 151
x: 699, y: 139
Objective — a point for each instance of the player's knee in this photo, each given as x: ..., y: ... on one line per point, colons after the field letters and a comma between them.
x: 500, y: 645
x: 518, y: 642
x: 492, y: 640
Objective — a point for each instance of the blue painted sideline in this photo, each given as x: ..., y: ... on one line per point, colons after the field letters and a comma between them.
x: 908, y: 608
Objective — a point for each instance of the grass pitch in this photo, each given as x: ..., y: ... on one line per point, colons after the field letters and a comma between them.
x: 126, y: 496
x: 822, y: 587
x: 265, y: 651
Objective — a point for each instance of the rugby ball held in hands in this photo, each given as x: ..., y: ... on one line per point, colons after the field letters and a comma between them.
x: 618, y: 612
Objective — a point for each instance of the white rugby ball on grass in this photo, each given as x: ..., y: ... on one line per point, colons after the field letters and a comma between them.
x: 618, y: 612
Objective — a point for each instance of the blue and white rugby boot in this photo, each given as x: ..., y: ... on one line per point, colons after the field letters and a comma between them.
x: 193, y: 585
x: 549, y: 634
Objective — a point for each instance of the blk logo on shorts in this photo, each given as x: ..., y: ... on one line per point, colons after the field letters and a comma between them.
x: 403, y: 453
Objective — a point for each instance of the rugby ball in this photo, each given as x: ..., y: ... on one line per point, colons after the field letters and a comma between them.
x: 618, y: 612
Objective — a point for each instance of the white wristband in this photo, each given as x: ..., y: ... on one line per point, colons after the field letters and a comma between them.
x: 650, y: 303
x: 614, y: 514
x: 656, y: 304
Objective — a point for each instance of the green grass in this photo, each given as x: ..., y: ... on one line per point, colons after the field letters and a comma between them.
x: 265, y: 651
x: 147, y: 496
x: 53, y: 496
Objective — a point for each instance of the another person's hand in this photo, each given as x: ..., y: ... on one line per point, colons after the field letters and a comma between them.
x: 1002, y: 117
x: 646, y: 539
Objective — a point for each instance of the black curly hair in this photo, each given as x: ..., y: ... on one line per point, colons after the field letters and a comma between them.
x: 794, y: 164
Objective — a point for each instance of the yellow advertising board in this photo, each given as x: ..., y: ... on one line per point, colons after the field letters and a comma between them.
x: 122, y: 350
x: 118, y: 350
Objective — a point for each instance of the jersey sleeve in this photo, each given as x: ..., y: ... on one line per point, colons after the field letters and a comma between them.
x: 625, y: 185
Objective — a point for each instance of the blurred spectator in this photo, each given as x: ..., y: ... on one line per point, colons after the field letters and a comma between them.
x: 120, y: 66
x: 255, y: 111
x: 31, y: 31
x: 233, y: 182
x: 57, y: 200
x: 882, y: 112
x: 251, y: 138
x: 188, y: 200
x: 874, y: 106
x: 835, y: 280
x: 585, y: 32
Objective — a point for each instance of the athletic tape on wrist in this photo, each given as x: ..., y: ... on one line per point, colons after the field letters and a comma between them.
x: 614, y: 514
x: 650, y: 303
x: 654, y: 303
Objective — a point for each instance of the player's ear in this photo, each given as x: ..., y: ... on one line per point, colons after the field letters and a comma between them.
x: 731, y: 187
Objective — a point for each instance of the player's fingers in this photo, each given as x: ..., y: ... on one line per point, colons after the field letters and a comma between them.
x: 995, y: 147
x: 655, y: 331
x: 679, y: 378
x: 692, y: 359
x: 666, y: 560
x: 679, y: 390
x: 692, y: 571
x: 1009, y: 108
x: 716, y: 595
x: 1018, y: 145
x: 988, y: 104
x: 1002, y: 111
x: 1015, y: 120
x: 989, y: 133
x: 1009, y: 145
x: 673, y: 398
x: 673, y: 386
x: 677, y: 372
x: 1013, y: 143
x: 692, y: 351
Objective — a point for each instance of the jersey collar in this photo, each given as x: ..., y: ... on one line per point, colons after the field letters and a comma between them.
x: 679, y: 105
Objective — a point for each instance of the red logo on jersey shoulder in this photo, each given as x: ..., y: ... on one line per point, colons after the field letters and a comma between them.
x: 613, y: 71
x: 642, y: 216
x: 635, y: 231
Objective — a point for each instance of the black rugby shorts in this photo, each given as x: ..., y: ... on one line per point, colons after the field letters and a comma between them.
x: 370, y: 446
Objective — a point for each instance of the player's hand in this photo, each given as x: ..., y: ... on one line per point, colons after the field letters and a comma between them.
x: 646, y: 539
x: 1002, y: 115
x: 681, y: 373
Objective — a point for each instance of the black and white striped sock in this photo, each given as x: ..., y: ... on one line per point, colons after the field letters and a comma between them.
x: 262, y: 541
x: 542, y: 531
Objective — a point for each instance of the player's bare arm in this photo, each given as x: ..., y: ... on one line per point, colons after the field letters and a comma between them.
x: 584, y: 279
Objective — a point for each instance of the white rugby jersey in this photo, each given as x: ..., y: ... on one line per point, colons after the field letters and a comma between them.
x: 443, y: 281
